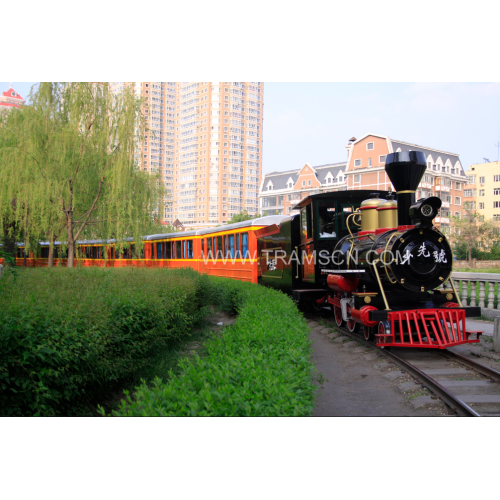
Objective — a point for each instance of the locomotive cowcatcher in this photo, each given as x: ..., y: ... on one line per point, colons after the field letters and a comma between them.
x: 376, y: 262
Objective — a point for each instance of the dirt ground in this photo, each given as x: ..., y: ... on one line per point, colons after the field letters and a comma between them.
x: 356, y: 381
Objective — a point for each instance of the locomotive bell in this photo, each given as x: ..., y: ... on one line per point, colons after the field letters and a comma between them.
x: 405, y: 170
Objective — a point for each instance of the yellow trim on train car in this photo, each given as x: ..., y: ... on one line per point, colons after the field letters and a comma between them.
x: 209, y: 235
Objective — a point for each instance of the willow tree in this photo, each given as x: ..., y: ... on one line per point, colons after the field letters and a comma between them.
x: 77, y: 145
x: 13, y: 205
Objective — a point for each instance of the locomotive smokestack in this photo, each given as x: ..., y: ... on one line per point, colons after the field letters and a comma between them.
x: 405, y: 170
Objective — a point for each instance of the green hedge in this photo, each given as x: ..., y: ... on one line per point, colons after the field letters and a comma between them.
x: 259, y: 367
x: 68, y: 335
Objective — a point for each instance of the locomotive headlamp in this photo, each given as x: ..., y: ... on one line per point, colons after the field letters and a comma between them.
x: 424, y: 211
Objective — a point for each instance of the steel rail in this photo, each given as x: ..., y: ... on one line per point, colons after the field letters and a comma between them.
x: 483, y: 369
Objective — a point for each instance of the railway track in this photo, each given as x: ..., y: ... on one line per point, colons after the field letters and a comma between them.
x: 467, y: 387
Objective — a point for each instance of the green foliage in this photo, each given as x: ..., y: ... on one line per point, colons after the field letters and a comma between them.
x: 66, y: 336
x: 460, y: 250
x: 241, y: 217
x: 474, y: 236
x: 258, y: 367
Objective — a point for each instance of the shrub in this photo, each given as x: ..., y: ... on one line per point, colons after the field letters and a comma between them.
x: 66, y: 335
x: 259, y: 367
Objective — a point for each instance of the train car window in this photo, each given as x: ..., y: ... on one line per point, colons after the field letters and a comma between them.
x: 45, y: 253
x: 326, y: 220
x: 189, y: 249
x: 158, y: 251
x: 173, y: 249
x: 168, y: 248
x: 231, y: 246
x: 306, y: 222
x: 238, y: 251
x: 209, y: 248
x: 219, y: 246
x: 203, y: 247
x: 178, y: 249
x: 225, y: 246
x: 244, y: 245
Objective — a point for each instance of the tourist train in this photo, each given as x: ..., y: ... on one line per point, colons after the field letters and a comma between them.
x: 374, y: 260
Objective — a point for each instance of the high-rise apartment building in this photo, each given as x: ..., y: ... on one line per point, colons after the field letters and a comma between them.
x: 207, y: 145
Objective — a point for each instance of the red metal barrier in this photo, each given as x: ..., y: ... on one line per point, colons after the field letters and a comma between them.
x: 429, y: 328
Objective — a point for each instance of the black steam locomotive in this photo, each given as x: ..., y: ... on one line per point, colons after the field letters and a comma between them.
x: 376, y: 262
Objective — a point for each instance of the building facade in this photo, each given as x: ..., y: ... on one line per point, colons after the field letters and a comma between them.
x: 483, y: 189
x: 281, y: 191
x: 444, y: 177
x: 11, y: 99
x: 207, y: 145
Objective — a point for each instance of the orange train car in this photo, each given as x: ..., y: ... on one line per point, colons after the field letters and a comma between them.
x: 229, y: 251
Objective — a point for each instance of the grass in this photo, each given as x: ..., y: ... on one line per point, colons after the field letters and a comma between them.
x: 484, y: 318
x: 495, y: 270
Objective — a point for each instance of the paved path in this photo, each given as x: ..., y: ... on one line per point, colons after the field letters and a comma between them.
x: 357, y: 382
x: 486, y: 326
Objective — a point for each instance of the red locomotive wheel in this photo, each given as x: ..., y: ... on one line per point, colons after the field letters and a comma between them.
x: 384, y: 328
x: 338, y: 315
x: 369, y: 332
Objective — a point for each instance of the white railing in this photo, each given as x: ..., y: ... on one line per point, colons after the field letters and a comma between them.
x: 479, y: 289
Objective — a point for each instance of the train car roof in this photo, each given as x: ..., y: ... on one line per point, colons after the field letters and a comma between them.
x: 261, y: 221
x: 364, y: 194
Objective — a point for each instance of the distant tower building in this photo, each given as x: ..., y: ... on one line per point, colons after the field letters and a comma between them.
x: 11, y: 99
x: 207, y: 145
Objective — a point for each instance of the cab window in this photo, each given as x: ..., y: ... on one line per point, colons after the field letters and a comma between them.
x: 306, y: 222
x: 327, y: 220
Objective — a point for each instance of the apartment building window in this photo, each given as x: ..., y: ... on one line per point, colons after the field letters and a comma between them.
x: 471, y: 179
x: 496, y: 204
x: 496, y: 191
x: 357, y: 163
x: 496, y: 178
x: 457, y: 214
x: 481, y: 192
x: 280, y: 200
x: 369, y: 162
x: 481, y: 180
x: 468, y: 192
x: 308, y: 183
x: 357, y: 177
x: 458, y: 201
x: 496, y: 217
x: 458, y: 186
x: 481, y: 206
x: 369, y: 146
x: 381, y: 159
x: 303, y: 183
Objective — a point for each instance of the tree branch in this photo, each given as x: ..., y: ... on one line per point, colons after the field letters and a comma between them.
x: 91, y: 208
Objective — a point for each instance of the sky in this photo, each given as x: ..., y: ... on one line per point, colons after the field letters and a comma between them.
x: 312, y: 122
